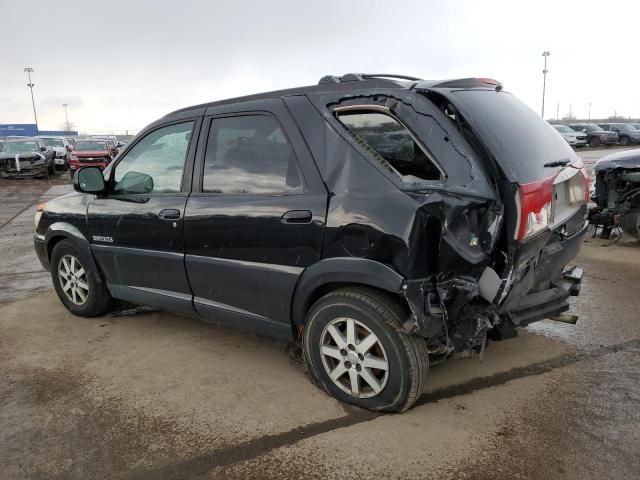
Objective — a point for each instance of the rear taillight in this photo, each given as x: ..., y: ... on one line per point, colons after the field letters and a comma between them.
x: 534, y: 202
x: 585, y: 181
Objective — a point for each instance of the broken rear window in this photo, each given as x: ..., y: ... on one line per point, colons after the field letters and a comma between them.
x: 389, y: 140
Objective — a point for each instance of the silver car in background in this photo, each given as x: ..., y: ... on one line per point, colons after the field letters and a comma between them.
x: 61, y: 148
x: 573, y: 138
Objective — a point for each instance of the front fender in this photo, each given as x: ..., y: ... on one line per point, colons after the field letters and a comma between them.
x: 358, y: 271
x: 60, y: 230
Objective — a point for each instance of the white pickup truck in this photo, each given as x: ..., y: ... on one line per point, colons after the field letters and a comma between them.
x: 61, y: 147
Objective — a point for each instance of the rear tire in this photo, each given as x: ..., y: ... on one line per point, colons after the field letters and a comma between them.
x: 375, y: 367
x: 76, y: 283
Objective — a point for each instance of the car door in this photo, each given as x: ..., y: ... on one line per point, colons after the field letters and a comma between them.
x: 255, y: 218
x: 137, y: 227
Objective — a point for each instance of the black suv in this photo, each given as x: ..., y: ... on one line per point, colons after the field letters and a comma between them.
x: 627, y: 133
x: 383, y: 221
x: 596, y: 135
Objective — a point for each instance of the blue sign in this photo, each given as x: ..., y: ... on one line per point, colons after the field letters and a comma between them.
x: 18, y: 129
x: 30, y: 130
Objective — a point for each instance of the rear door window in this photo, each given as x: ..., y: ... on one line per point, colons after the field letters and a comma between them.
x: 249, y: 154
x: 391, y: 142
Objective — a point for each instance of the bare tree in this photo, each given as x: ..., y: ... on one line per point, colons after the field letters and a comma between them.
x: 63, y: 126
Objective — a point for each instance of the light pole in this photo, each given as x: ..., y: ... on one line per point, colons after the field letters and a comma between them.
x: 66, y: 117
x: 545, y: 54
x: 33, y: 102
x: 589, y: 111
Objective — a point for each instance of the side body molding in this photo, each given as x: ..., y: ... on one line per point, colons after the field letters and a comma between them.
x: 63, y: 229
x: 342, y: 270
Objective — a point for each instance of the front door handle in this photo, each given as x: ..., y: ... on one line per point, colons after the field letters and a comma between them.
x: 297, y: 216
x: 169, y: 214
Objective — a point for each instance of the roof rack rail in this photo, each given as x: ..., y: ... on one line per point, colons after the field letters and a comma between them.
x: 359, y: 77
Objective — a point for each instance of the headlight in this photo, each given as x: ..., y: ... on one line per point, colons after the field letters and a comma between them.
x: 39, y: 209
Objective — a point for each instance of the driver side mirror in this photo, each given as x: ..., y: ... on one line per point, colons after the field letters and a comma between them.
x: 134, y: 183
x: 89, y: 180
x: 43, y: 149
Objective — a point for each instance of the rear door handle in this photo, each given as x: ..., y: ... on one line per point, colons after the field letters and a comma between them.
x: 297, y: 216
x: 169, y: 214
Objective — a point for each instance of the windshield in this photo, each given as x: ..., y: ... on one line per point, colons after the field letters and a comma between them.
x: 520, y: 141
x: 18, y: 147
x: 91, y: 145
x: 108, y: 140
x: 593, y: 128
x: 53, y: 142
x: 563, y: 129
x: 626, y: 127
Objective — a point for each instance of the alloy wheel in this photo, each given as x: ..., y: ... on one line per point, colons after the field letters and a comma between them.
x: 354, y: 358
x: 73, y: 279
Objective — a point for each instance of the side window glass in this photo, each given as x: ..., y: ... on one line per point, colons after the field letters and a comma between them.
x: 155, y: 164
x: 391, y: 141
x: 249, y: 155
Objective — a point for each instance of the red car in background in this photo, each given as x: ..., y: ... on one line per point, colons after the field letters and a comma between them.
x: 90, y: 153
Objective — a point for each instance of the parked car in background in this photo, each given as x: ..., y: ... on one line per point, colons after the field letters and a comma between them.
x: 272, y: 213
x: 61, y: 148
x: 26, y: 157
x: 112, y: 139
x: 627, y: 133
x: 90, y: 152
x: 596, y: 135
x: 573, y: 138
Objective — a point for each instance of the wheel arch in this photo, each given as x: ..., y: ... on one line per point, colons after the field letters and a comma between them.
x: 334, y: 273
x: 64, y: 231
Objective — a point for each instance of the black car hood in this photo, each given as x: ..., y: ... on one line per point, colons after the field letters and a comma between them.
x: 628, y: 159
x: 23, y: 155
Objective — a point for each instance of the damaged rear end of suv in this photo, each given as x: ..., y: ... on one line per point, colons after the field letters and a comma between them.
x: 542, y: 192
x: 488, y: 211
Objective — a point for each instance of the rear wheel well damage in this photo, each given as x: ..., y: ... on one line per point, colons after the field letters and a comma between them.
x: 392, y: 297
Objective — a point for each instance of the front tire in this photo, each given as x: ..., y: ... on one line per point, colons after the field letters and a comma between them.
x: 355, y: 352
x: 624, y: 140
x: 76, y: 283
x: 594, y: 142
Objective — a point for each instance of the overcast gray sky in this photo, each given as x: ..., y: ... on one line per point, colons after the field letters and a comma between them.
x: 122, y: 64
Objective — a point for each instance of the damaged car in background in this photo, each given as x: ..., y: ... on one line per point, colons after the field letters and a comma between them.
x: 384, y: 222
x: 28, y: 157
x: 617, y: 193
